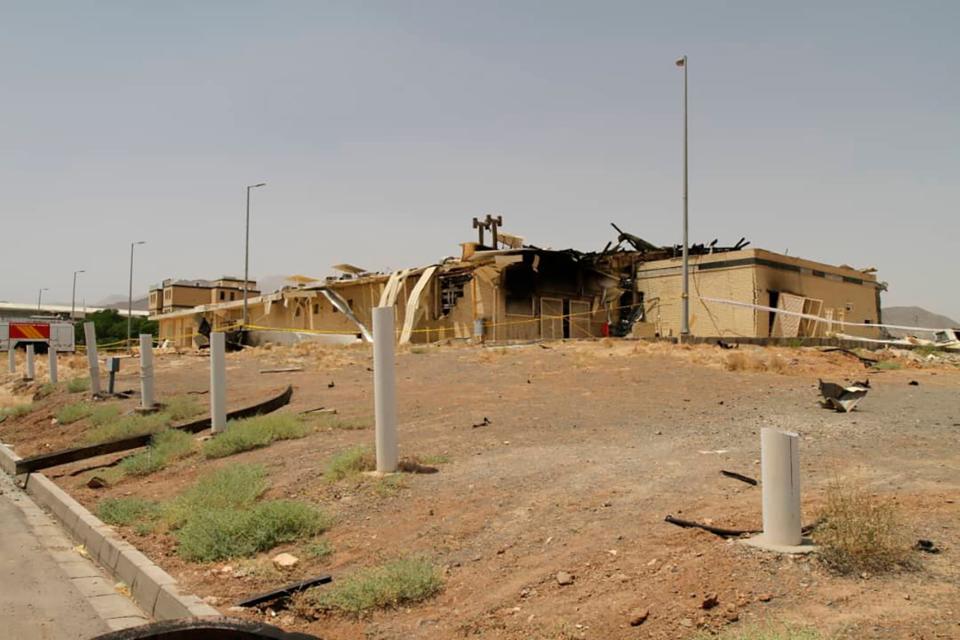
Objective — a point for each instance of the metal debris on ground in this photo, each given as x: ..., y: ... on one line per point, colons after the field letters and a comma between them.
x: 719, y: 531
x: 485, y: 422
x: 843, y: 399
x: 284, y: 592
x: 739, y: 476
x: 413, y: 466
x: 317, y: 410
x: 927, y: 546
x: 282, y: 370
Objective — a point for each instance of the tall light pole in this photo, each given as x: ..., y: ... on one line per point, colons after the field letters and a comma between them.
x: 130, y: 294
x: 73, y: 296
x: 246, y: 254
x: 40, y: 297
x: 685, y: 295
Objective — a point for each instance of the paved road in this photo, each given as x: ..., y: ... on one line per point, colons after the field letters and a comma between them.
x: 41, y: 576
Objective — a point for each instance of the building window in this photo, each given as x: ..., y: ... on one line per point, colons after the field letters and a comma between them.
x: 316, y: 308
x: 233, y: 295
x: 296, y: 313
x: 222, y: 295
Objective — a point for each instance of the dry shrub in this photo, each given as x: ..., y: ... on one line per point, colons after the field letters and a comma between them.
x: 859, y: 532
x: 738, y: 360
x: 776, y: 363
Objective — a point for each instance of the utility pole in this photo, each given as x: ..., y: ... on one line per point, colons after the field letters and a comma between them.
x: 40, y: 297
x: 246, y: 255
x: 130, y: 295
x: 685, y: 295
x: 73, y: 296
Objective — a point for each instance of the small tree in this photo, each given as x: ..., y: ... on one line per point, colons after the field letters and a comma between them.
x: 112, y: 327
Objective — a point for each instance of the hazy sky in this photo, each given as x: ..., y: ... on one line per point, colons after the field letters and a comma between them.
x: 827, y: 129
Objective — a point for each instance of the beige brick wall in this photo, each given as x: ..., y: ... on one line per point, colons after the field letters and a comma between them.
x: 660, y: 282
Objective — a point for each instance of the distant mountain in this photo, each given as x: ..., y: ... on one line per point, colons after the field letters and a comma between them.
x: 915, y: 317
x: 120, y: 302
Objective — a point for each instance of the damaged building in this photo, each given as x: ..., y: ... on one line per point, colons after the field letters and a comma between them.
x: 502, y: 289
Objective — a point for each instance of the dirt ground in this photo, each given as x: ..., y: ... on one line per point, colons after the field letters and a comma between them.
x: 588, y: 446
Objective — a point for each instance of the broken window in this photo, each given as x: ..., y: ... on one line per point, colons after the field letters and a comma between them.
x: 518, y: 285
x: 451, y: 290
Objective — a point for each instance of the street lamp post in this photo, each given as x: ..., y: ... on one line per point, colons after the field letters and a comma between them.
x: 73, y: 296
x: 685, y: 295
x: 40, y: 297
x: 130, y: 294
x: 246, y: 254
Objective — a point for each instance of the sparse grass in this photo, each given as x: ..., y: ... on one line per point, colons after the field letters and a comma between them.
x: 103, y: 413
x: 766, y: 632
x: 165, y: 447
x: 127, y: 426
x: 397, y: 583
x: 887, y: 365
x: 182, y: 407
x: 16, y: 411
x: 389, y: 486
x: 78, y: 385
x: 333, y: 421
x: 253, y: 433
x: 419, y: 350
x: 860, y: 533
x: 233, y: 487
x: 319, y: 550
x: 434, y: 459
x: 220, y: 516
x: 350, y: 462
x: 71, y: 413
x: 215, y: 534
x: 46, y: 389
x: 926, y: 350
x: 126, y: 511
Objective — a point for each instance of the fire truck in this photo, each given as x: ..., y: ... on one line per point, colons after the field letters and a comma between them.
x: 42, y: 333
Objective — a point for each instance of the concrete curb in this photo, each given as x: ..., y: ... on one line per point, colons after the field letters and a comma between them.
x: 152, y: 588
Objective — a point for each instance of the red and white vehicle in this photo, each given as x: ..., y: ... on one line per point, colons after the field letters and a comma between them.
x: 20, y: 332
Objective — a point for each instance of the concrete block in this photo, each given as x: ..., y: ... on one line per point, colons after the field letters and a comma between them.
x: 79, y: 568
x: 113, y: 606
x: 92, y: 586
x: 129, y: 564
x: 172, y: 604
x: 146, y: 584
x: 127, y: 622
x: 169, y: 605
x: 108, y: 553
x: 8, y: 460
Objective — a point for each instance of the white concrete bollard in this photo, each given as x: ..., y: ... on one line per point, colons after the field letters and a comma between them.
x: 11, y: 356
x: 780, y: 471
x: 384, y: 398
x: 90, y: 338
x: 52, y: 363
x: 218, y: 382
x: 146, y: 371
x: 31, y: 371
